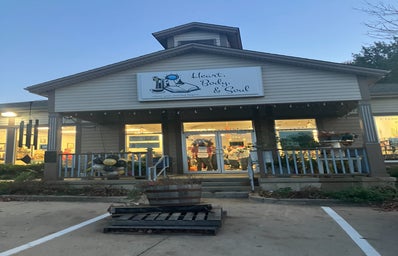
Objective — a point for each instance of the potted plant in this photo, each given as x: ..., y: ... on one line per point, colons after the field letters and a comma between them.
x: 173, y: 191
x: 345, y: 138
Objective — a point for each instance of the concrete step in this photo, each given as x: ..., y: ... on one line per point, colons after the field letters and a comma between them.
x: 225, y: 183
x: 226, y: 188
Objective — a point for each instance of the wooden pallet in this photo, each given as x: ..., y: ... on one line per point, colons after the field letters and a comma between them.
x: 190, y: 218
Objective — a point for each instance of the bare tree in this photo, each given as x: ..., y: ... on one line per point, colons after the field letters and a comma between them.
x: 385, y: 22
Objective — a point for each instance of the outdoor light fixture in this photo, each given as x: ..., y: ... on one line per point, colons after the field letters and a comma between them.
x: 8, y: 114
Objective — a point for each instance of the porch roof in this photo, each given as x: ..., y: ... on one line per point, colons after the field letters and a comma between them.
x: 228, y: 113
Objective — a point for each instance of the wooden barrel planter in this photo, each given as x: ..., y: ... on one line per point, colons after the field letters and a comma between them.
x: 176, y: 194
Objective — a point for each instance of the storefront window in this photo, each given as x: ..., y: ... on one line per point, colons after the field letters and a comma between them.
x: 387, y: 128
x: 218, y: 126
x: 296, y: 133
x: 36, y: 154
x: 139, y: 137
x: 3, y: 138
x: 68, y: 139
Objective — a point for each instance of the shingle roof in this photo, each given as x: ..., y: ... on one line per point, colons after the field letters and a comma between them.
x: 380, y: 89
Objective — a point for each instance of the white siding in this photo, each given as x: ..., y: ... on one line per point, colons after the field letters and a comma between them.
x: 41, y: 116
x: 384, y: 105
x: 349, y: 124
x: 97, y: 139
x: 282, y: 84
x: 189, y: 36
x: 294, y: 84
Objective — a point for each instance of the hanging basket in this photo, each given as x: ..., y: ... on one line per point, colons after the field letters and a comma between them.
x: 174, y: 194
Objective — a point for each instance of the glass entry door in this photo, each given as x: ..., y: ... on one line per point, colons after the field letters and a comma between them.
x: 218, y: 151
x: 236, y: 148
x: 202, y: 150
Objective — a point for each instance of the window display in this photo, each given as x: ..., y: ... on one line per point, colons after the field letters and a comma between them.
x: 139, y: 137
x: 218, y: 147
x: 3, y: 138
x: 387, y: 128
x: 296, y: 133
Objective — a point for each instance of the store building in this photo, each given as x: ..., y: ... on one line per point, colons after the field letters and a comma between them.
x: 385, y: 111
x: 16, y: 146
x: 205, y: 95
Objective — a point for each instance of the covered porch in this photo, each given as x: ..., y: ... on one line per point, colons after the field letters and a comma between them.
x: 269, y: 159
x: 326, y: 169
x: 316, y: 162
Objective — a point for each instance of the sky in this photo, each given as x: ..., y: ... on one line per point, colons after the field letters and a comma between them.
x: 42, y: 40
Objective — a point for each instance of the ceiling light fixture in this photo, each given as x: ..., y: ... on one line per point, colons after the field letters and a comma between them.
x: 8, y: 114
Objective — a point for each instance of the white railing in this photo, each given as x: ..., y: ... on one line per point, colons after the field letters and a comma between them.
x: 86, y: 165
x: 252, y: 166
x: 297, y: 162
x: 162, y: 164
x: 320, y: 161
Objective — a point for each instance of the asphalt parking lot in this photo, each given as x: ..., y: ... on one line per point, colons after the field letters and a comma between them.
x: 250, y: 228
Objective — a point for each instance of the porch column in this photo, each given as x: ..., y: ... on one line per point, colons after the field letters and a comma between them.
x: 265, y: 137
x: 10, y: 141
x: 54, y: 141
x: 371, y: 141
x: 54, y: 132
x: 171, y: 130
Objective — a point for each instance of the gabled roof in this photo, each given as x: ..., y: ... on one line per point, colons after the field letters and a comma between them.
x: 232, y: 33
x: 44, y: 88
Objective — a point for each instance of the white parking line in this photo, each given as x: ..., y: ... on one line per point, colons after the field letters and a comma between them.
x: 52, y: 236
x: 355, y: 236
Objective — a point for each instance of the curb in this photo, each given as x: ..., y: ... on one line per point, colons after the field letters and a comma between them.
x: 119, y: 199
x: 99, y: 199
x: 297, y: 201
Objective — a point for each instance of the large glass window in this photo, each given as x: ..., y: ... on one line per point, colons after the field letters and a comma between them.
x: 387, y: 128
x: 296, y: 133
x: 68, y: 139
x: 139, y: 137
x: 3, y: 139
x: 218, y: 126
x: 36, y: 154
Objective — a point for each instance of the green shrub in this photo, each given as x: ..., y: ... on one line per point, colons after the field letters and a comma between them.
x: 134, y: 194
x: 10, y: 171
x: 25, y: 176
x: 393, y: 171
x: 363, y: 195
x: 33, y: 187
x: 376, y: 194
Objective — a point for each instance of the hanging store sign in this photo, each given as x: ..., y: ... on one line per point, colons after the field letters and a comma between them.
x: 200, y: 84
